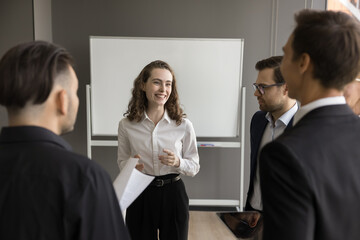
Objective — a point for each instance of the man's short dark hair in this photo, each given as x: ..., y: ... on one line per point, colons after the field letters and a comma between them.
x: 28, y: 70
x: 332, y: 40
x: 274, y: 63
x: 278, y: 78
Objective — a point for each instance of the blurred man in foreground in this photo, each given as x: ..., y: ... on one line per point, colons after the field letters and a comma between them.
x: 310, y: 178
x: 46, y: 190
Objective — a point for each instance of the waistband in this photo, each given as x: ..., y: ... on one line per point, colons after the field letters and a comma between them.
x: 160, y: 181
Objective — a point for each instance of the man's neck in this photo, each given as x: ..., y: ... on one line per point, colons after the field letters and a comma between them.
x: 312, y: 90
x: 29, y: 118
x: 356, y: 108
x: 287, y: 106
x: 325, y: 93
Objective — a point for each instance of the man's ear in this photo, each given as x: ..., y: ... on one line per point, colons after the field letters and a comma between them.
x: 304, y: 62
x: 286, y: 89
x: 62, y: 101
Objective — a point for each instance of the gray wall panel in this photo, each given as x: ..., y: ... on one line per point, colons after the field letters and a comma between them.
x: 16, y: 26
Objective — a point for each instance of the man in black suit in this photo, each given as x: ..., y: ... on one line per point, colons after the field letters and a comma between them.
x: 277, y: 111
x: 46, y: 190
x: 310, y: 177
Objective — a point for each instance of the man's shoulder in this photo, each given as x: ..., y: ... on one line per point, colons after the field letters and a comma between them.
x: 315, y: 130
x: 80, y: 161
x: 259, y: 116
x: 62, y: 162
x: 70, y: 157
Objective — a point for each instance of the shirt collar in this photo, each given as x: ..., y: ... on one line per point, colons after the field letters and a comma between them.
x: 316, y: 104
x: 32, y: 134
x: 165, y: 117
x: 286, y: 117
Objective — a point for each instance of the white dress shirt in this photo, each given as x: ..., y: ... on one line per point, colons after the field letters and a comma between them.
x: 316, y: 104
x: 148, y: 140
x: 272, y: 131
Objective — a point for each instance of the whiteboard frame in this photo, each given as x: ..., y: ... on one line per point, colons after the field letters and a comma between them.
x: 168, y: 40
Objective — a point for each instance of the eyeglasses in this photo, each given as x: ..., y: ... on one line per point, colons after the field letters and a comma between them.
x: 261, y: 87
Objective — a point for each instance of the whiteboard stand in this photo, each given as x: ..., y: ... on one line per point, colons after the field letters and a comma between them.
x: 242, y: 149
x: 192, y: 202
x: 88, y: 121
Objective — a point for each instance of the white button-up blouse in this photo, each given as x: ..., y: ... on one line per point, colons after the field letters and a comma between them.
x: 148, y: 140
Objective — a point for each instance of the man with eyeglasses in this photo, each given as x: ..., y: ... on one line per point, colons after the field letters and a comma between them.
x: 277, y: 111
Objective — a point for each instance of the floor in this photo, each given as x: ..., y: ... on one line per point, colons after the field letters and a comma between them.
x: 207, y: 226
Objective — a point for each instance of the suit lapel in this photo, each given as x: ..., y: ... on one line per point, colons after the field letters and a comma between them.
x: 258, y: 134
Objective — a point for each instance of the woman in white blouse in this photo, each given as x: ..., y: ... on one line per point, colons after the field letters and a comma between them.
x: 156, y: 131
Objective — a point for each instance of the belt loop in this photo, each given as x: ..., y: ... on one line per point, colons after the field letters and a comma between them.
x: 177, y: 178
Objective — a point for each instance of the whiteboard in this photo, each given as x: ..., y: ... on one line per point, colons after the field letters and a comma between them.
x: 208, y: 74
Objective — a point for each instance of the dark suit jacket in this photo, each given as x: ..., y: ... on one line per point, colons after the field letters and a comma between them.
x: 49, y: 192
x: 310, y: 178
x: 257, y: 128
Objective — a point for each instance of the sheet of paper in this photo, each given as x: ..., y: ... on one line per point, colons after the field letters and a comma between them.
x: 130, y: 183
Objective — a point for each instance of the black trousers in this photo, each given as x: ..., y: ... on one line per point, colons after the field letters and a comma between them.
x: 163, y: 208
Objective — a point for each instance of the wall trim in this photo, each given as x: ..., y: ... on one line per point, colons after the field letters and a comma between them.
x: 274, y: 26
x: 42, y: 20
x: 311, y: 4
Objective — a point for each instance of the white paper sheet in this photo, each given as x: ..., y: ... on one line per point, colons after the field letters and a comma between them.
x: 130, y: 183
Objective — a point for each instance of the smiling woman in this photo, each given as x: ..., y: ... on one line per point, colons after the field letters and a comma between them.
x: 150, y: 79
x: 156, y: 132
x: 158, y: 90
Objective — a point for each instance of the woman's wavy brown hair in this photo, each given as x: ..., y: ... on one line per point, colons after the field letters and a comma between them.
x: 139, y: 103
